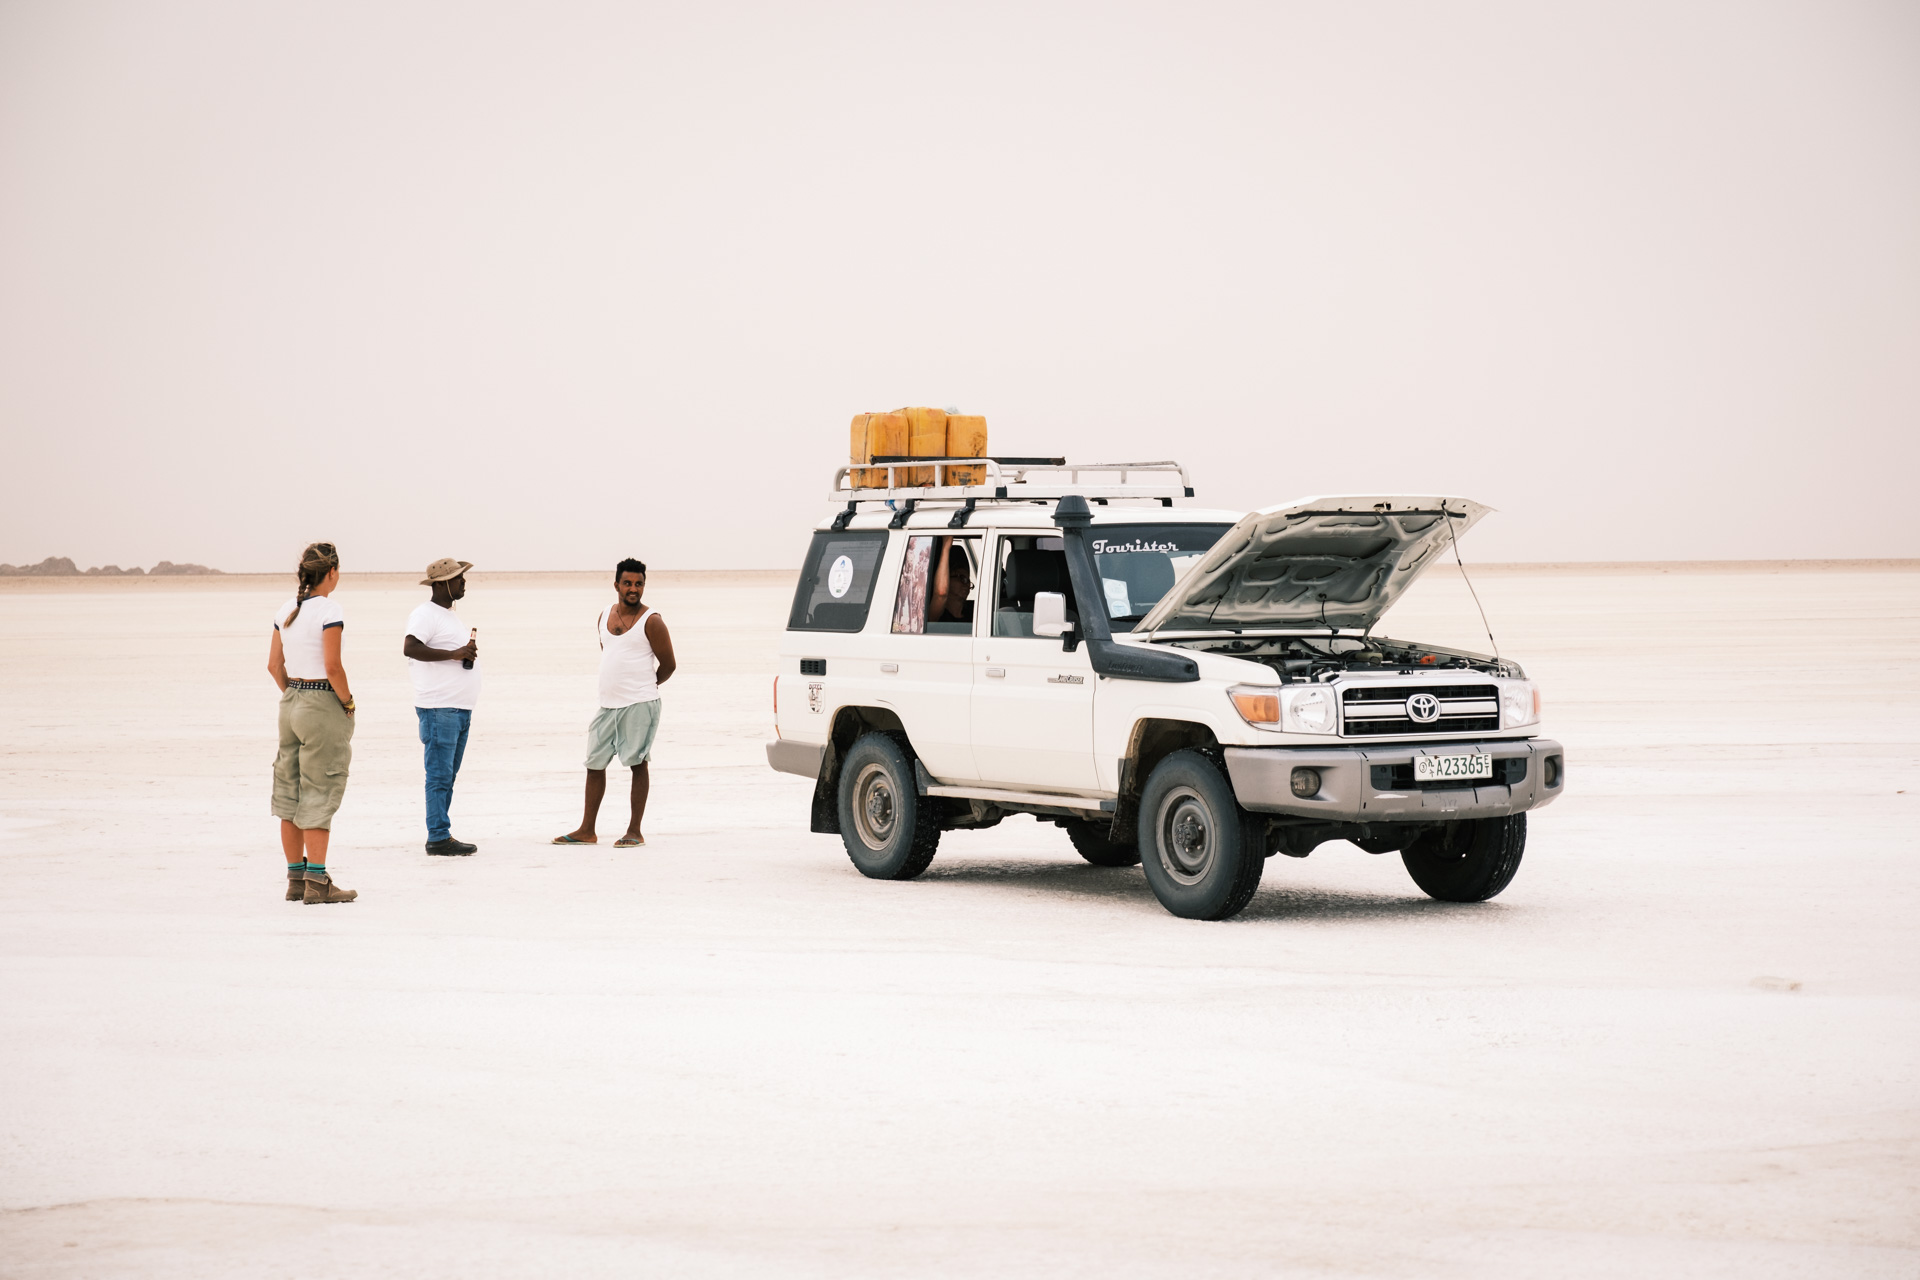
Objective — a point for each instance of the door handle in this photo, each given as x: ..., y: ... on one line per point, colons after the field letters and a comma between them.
x: 889, y: 668
x: 996, y: 673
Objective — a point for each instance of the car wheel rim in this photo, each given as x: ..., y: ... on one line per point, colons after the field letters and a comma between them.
x: 874, y: 810
x: 1188, y: 839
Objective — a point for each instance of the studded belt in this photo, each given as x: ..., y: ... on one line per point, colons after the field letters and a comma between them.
x: 322, y: 686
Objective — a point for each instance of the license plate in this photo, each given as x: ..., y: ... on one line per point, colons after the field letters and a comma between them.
x: 1442, y: 768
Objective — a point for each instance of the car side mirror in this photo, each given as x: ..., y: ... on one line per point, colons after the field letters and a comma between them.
x: 1049, y: 614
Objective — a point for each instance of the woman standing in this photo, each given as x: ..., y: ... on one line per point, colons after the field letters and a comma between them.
x: 316, y: 725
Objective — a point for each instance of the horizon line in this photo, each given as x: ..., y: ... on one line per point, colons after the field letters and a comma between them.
x: 1876, y: 563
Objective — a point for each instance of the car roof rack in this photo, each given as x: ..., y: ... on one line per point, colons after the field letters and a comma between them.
x: 1016, y: 480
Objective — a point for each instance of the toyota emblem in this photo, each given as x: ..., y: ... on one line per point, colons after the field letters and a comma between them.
x: 1423, y: 708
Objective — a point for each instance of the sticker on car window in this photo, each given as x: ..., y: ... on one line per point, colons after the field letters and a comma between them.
x: 840, y: 577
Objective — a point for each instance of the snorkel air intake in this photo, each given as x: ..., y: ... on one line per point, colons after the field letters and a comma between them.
x: 1115, y: 661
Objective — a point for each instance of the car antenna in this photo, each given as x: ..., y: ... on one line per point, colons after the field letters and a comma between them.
x: 1455, y: 539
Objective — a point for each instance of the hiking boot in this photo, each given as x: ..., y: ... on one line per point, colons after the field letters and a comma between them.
x: 296, y: 884
x: 450, y: 848
x: 320, y: 888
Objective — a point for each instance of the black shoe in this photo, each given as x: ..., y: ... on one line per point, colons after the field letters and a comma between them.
x: 450, y: 848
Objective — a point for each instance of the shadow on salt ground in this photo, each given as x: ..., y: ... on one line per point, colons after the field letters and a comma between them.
x: 1297, y: 904
x: 1128, y: 885
x: 1121, y: 884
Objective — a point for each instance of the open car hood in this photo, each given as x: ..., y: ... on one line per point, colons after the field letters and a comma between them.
x: 1314, y: 562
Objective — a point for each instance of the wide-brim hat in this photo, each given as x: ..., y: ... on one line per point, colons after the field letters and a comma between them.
x: 445, y: 571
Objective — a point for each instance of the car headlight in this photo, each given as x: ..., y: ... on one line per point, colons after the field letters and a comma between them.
x: 1519, y: 704
x: 1294, y: 710
x: 1307, y: 710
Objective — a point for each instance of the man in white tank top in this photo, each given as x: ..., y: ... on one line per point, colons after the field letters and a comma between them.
x: 636, y: 658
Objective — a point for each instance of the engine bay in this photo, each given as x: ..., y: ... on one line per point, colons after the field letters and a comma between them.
x: 1308, y: 658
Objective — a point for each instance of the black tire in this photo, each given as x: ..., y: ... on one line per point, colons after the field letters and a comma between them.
x: 1467, y: 861
x: 1202, y: 853
x: 1094, y: 842
x: 889, y: 828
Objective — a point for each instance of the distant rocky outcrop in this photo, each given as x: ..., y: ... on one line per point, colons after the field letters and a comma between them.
x: 61, y: 567
x: 51, y: 567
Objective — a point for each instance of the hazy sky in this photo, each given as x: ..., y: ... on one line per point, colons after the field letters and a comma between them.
x: 544, y: 285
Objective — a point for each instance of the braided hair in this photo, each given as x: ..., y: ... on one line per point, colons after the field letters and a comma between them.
x: 316, y: 562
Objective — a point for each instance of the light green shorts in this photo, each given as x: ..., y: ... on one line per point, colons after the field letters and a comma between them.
x: 316, y: 746
x: 626, y: 732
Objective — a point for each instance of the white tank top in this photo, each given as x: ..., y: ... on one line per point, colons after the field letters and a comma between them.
x: 627, y: 664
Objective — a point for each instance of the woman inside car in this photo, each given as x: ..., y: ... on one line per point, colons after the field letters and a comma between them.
x: 952, y: 584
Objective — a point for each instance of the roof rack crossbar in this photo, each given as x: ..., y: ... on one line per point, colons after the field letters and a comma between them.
x: 1016, y: 480
x: 909, y: 460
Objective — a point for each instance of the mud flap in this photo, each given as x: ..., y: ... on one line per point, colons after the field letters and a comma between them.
x: 826, y: 799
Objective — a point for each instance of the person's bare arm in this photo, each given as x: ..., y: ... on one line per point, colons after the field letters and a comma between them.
x: 942, y: 580
x: 419, y: 652
x: 330, y: 657
x: 662, y: 648
x: 277, y: 662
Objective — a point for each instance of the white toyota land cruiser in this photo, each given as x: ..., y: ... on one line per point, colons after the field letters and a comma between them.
x: 1191, y: 690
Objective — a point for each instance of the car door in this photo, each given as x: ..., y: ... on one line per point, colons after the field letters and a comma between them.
x: 927, y: 674
x: 1032, y: 699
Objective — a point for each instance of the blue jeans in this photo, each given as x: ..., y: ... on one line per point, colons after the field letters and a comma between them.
x: 443, y: 732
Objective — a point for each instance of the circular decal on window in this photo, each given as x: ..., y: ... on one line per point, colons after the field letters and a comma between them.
x: 840, y: 577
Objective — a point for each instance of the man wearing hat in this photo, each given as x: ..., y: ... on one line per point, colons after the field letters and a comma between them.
x: 444, y: 657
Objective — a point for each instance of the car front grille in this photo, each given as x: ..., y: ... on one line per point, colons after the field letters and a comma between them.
x: 1399, y: 777
x: 1372, y: 711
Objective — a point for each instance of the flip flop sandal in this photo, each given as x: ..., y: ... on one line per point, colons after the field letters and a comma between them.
x: 628, y: 842
x: 571, y: 840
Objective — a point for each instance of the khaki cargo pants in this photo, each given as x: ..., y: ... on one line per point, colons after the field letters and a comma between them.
x: 316, y: 745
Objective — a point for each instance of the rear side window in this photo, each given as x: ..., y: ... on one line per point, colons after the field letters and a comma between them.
x: 836, y: 582
x: 914, y: 611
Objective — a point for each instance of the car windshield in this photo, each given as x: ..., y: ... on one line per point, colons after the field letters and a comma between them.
x: 1139, y: 563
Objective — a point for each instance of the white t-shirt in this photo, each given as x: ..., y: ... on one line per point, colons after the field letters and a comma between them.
x: 442, y: 684
x: 300, y: 643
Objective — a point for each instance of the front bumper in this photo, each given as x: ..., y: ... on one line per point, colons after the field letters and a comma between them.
x: 1351, y: 778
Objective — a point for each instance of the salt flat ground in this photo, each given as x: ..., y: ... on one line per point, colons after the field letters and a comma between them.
x: 1683, y: 1043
